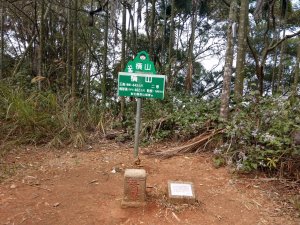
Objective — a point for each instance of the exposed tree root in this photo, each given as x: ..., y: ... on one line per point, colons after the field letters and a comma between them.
x: 193, y: 145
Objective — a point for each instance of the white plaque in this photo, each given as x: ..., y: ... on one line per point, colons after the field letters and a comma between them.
x: 181, y: 189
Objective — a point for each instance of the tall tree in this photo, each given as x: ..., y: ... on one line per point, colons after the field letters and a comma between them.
x: 28, y: 47
x: 284, y: 14
x: 241, y: 49
x: 261, y: 51
x: 225, y: 95
x: 189, y: 76
x: 89, y: 66
x: 123, y: 57
x: 152, y: 27
x: 69, y: 44
x: 74, y: 50
x: 42, y: 42
x: 171, y: 41
x: 105, y: 51
x: 163, y: 44
x: 2, y: 38
x: 133, y: 31
x: 297, y: 71
x: 274, y: 69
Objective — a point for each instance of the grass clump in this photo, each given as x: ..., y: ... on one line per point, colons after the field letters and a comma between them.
x: 43, y: 117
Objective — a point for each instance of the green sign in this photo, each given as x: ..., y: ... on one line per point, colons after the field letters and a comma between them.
x: 141, y: 64
x: 140, y: 80
x: 141, y: 85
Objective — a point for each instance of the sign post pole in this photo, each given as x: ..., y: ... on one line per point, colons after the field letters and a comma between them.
x: 137, y: 127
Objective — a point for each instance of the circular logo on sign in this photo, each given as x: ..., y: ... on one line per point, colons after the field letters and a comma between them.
x: 142, y: 57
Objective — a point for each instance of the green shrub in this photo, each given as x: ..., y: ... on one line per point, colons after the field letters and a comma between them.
x: 180, y: 116
x: 259, y: 133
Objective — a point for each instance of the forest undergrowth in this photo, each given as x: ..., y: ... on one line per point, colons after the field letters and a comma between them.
x: 259, y: 135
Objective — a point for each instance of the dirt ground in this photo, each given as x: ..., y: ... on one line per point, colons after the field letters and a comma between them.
x: 86, y: 187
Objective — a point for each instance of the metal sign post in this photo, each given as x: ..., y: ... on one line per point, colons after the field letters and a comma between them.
x: 140, y: 80
x: 137, y: 127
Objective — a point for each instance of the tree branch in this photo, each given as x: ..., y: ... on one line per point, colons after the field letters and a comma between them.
x: 282, y: 40
x: 226, y: 3
x: 254, y: 53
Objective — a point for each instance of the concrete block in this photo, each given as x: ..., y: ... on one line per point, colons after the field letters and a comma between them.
x: 134, y: 188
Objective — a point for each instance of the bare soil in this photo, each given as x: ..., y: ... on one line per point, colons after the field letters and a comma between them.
x: 86, y: 187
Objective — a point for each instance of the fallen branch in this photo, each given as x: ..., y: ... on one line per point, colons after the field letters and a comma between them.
x: 191, y: 146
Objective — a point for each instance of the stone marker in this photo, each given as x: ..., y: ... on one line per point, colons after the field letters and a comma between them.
x: 134, y: 188
x: 181, y: 192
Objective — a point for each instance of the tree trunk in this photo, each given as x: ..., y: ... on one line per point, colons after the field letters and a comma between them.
x: 225, y: 95
x: 105, y: 50
x: 241, y: 50
x: 123, y: 58
x: 18, y: 66
x: 274, y: 69
x: 88, y: 74
x: 69, y: 45
x: 163, y: 48
x: 74, y: 50
x: 189, y: 77
x: 134, y: 38
x: 2, y: 39
x: 138, y: 18
x: 297, y: 72
x: 280, y: 84
x: 152, y: 26
x: 258, y: 9
x: 260, y: 76
x: 42, y: 43
x: 171, y: 42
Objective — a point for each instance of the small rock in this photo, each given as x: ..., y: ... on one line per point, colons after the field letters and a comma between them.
x: 231, y: 182
x: 73, y: 156
x: 56, y: 204
x: 118, y: 169
x: 13, y: 186
x: 93, y: 181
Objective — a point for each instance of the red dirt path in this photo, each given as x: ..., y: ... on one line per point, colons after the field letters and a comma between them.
x: 78, y: 187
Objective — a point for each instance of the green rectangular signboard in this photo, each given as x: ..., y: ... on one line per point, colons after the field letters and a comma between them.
x: 141, y: 85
